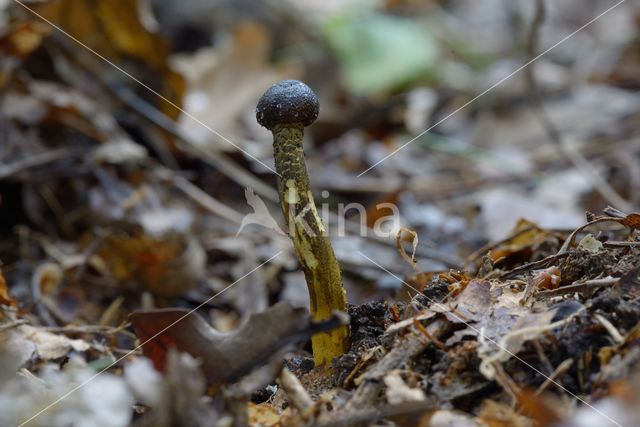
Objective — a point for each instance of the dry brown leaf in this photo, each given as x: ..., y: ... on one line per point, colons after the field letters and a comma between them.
x: 526, y: 235
x: 225, y: 356
x: 632, y: 221
x: 114, y: 29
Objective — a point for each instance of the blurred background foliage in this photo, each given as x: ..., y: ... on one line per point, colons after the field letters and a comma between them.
x: 125, y: 153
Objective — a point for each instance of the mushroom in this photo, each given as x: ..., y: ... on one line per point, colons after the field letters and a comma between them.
x: 286, y: 109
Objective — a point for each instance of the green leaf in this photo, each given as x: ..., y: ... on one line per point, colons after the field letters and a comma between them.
x: 378, y: 53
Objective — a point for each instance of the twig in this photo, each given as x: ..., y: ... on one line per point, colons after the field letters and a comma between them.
x: 567, y: 243
x: 110, y: 313
x: 88, y: 253
x: 13, y: 324
x: 91, y: 329
x: 528, y: 291
x: 617, y: 337
x: 611, y: 211
x: 202, y: 198
x: 578, y: 287
x: 621, y: 244
x: 543, y: 357
x: 546, y: 262
x: 506, y: 382
x: 298, y: 396
x: 40, y: 159
x: 420, y: 327
x: 552, y: 379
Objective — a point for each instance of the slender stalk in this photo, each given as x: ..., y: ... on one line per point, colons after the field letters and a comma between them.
x: 310, y: 240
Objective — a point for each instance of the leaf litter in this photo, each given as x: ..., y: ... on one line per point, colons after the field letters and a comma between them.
x: 119, y: 216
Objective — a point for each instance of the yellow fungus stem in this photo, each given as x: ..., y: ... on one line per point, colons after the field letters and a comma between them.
x: 310, y: 240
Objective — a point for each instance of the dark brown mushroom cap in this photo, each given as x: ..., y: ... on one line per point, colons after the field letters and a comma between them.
x: 287, y: 102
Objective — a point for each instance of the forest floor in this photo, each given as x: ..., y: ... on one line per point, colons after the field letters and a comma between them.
x: 476, y: 164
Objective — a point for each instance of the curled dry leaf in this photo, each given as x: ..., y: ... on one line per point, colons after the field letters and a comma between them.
x: 400, y: 236
x: 47, y: 277
x: 52, y: 346
x: 225, y: 356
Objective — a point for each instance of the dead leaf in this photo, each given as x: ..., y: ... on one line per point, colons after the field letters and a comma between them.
x: 526, y: 328
x: 225, y: 356
x: 115, y: 30
x: 524, y: 237
x: 52, y: 346
x: 18, y: 40
x: 631, y: 221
